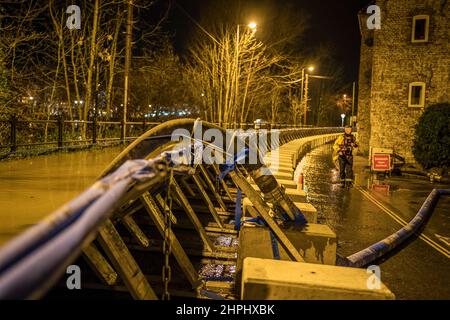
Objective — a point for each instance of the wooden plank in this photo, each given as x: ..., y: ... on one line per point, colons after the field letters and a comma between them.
x: 220, y: 230
x: 263, y: 210
x: 187, y: 187
x: 124, y: 263
x: 177, y: 250
x: 192, y: 216
x: 191, y: 252
x: 211, y: 186
x: 162, y: 203
x: 208, y: 201
x: 100, y: 265
x: 135, y: 231
x: 202, y: 209
x: 224, y: 184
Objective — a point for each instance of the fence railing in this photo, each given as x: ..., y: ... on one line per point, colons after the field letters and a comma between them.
x: 19, y: 134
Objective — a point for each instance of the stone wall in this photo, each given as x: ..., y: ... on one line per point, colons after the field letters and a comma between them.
x: 364, y: 84
x: 396, y: 62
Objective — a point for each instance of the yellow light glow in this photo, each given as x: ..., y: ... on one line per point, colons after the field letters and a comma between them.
x: 252, y: 25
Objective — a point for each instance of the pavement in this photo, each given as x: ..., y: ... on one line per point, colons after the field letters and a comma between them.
x: 374, y: 209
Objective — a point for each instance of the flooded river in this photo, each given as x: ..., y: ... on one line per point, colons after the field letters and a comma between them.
x: 32, y: 188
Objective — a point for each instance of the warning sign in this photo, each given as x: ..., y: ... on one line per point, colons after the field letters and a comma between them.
x: 381, y: 162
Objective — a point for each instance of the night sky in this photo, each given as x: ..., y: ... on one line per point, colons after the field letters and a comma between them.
x: 331, y: 22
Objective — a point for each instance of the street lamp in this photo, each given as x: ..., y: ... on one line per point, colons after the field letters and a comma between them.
x: 343, y: 119
x: 252, y: 26
x: 304, y: 91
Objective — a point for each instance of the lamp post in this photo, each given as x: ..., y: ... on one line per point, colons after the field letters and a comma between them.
x: 252, y: 26
x: 343, y: 119
x: 304, y: 92
x: 353, y: 104
x: 128, y: 53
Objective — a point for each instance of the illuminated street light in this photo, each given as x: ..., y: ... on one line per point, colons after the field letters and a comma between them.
x: 304, y: 92
x: 252, y: 26
x: 343, y: 119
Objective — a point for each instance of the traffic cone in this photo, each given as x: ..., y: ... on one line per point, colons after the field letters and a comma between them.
x: 300, y: 181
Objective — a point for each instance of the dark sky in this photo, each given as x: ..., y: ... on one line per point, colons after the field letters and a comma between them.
x: 331, y: 22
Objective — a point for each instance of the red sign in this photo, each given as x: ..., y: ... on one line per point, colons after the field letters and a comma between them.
x: 381, y: 187
x: 381, y: 162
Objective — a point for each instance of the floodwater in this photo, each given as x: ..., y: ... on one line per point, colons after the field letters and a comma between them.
x: 31, y: 189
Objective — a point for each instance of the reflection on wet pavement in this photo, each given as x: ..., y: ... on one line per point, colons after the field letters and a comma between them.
x: 321, y: 183
x: 359, y: 222
x: 30, y: 189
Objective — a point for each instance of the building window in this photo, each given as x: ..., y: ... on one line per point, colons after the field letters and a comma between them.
x: 420, y: 29
x: 416, y: 95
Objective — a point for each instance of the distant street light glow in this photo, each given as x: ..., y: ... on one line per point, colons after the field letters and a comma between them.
x: 343, y: 118
x: 252, y: 26
x: 311, y: 69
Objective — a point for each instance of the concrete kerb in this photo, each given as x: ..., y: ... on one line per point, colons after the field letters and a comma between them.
x: 266, y: 279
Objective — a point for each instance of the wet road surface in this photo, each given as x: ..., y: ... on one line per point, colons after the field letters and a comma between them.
x: 30, y: 189
x: 420, y: 270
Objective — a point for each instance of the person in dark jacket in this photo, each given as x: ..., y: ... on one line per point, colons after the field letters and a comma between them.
x: 343, y: 150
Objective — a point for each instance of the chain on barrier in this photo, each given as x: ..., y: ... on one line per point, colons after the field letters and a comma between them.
x: 167, y: 244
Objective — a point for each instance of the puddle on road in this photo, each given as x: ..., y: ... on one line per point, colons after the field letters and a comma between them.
x: 321, y: 182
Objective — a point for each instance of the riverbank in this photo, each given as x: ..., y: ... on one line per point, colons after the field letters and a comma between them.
x: 31, y: 153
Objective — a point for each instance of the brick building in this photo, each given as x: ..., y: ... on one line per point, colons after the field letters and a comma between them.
x: 404, y: 68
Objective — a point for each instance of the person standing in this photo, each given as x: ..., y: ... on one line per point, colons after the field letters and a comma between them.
x: 343, y: 148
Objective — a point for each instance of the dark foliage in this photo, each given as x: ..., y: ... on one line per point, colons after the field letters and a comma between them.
x: 432, y: 139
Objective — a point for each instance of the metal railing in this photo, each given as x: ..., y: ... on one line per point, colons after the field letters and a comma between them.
x: 21, y: 134
x: 18, y: 134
